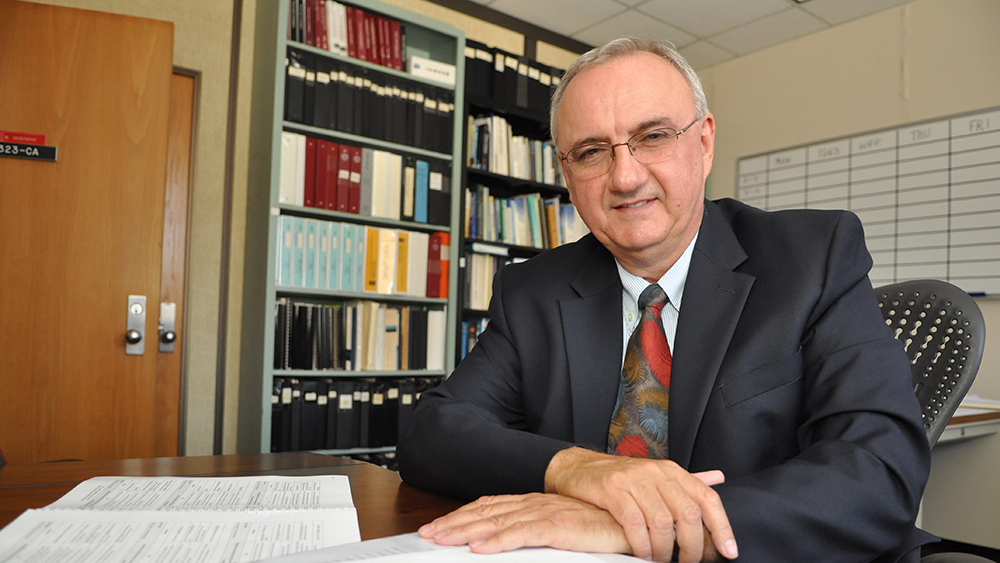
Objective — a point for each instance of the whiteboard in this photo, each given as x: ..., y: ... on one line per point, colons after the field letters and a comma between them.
x: 928, y: 195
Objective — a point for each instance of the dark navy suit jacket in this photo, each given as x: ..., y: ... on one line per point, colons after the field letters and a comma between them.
x: 784, y: 377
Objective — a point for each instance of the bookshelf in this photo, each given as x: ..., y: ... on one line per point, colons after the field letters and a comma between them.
x: 506, y: 110
x: 268, y: 289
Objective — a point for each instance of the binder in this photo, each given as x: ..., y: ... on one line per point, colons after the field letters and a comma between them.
x: 322, y: 189
x: 334, y: 257
x: 387, y: 257
x: 298, y: 256
x: 313, y: 423
x: 325, y: 95
x: 309, y: 198
x: 295, y: 83
x: 401, y: 285
x: 354, y: 199
x: 309, y: 101
x: 332, y: 404
x: 295, y: 438
x: 434, y: 265
x: 348, y: 269
x: 362, y: 414
x: 395, y: 186
x: 417, y: 260
x: 372, y: 249
x: 344, y: 178
x: 347, y: 436
x: 367, y: 178
x: 286, y: 255
x: 418, y: 338
x: 276, y: 406
x: 478, y: 72
x: 311, y: 248
x: 289, y: 159
x: 439, y: 195
x: 351, y: 30
x: 345, y: 98
x: 407, y: 400
x: 406, y: 212
x: 421, y: 189
x: 322, y: 254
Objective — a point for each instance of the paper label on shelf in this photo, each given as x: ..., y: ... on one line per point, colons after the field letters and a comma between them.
x: 311, y: 397
x: 346, y: 402
x: 378, y: 399
x: 286, y: 396
x: 407, y: 399
x: 321, y: 400
x: 393, y: 393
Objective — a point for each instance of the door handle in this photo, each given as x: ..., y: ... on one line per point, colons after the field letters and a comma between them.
x: 168, y: 316
x: 135, y: 328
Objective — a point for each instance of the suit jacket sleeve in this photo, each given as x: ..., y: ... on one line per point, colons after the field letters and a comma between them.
x: 473, y: 434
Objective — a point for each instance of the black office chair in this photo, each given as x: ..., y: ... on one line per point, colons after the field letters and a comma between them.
x: 944, y: 334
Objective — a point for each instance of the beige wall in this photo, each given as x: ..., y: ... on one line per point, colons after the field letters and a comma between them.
x: 202, y: 32
x: 921, y: 60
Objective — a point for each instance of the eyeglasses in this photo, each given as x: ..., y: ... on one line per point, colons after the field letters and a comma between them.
x: 648, y: 147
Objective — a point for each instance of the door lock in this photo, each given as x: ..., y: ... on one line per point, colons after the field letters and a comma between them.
x: 135, y: 328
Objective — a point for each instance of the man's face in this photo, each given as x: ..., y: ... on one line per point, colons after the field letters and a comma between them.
x: 645, y: 214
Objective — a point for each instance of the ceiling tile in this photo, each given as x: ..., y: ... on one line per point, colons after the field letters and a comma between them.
x: 839, y: 11
x: 632, y: 23
x: 769, y: 31
x: 562, y: 16
x: 706, y: 17
x: 702, y: 54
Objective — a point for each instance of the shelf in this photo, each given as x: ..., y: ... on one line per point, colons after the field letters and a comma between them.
x: 370, y: 66
x: 317, y: 213
x: 517, y: 184
x: 513, y: 251
x: 351, y: 295
x: 302, y: 373
x: 360, y: 140
x: 510, y: 110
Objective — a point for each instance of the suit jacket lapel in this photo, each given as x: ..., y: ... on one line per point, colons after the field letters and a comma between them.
x: 592, y: 325
x: 714, y: 296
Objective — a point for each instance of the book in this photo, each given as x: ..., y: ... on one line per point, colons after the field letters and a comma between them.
x: 213, y: 519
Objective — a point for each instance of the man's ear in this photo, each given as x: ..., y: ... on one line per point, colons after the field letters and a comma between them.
x: 708, y: 142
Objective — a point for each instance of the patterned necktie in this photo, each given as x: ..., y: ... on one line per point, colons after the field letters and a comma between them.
x: 639, y: 425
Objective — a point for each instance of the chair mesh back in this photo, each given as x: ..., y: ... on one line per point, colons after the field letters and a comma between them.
x: 944, y: 335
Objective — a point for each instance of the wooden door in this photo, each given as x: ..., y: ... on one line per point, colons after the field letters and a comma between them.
x: 79, y: 235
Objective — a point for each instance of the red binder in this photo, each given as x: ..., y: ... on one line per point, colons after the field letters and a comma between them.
x: 344, y: 179
x: 310, y: 187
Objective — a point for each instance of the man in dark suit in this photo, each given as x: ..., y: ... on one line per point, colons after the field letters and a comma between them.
x: 793, y: 434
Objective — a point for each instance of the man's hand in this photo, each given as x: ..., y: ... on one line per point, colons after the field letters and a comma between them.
x: 503, y: 523
x: 656, y: 502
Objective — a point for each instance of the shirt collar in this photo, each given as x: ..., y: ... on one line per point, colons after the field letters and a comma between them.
x: 672, y: 281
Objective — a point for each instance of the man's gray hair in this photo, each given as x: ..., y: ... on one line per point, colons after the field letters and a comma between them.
x: 620, y: 48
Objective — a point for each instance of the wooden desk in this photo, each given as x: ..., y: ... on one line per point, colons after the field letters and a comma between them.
x: 386, y: 506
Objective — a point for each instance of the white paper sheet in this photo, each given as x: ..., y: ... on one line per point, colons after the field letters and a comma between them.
x: 411, y: 548
x: 198, y: 519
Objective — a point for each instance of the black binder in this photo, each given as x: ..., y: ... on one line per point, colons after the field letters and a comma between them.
x: 276, y: 415
x: 313, y: 423
x: 295, y: 441
x: 326, y: 94
x: 439, y: 201
x: 331, y: 414
x: 345, y: 99
x: 295, y: 86
x: 407, y: 400
x: 347, y: 436
x: 309, y: 103
x: 363, y: 414
x: 478, y: 72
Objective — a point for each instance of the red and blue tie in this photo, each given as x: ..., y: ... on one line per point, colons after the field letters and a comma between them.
x: 639, y: 425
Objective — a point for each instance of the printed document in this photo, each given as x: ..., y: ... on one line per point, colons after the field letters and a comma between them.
x: 196, y: 519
